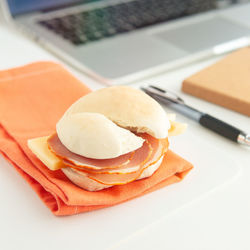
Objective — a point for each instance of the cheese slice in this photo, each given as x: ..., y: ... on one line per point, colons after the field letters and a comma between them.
x: 171, y: 117
x: 40, y: 148
x: 176, y: 128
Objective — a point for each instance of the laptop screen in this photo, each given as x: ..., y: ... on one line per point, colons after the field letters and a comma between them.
x: 23, y: 6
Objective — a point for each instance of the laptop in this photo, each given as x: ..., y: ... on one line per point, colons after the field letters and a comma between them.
x: 121, y: 41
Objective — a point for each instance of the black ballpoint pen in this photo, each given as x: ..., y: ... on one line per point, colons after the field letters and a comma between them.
x: 206, y: 120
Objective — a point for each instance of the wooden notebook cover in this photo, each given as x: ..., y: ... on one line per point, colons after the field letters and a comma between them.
x: 226, y: 83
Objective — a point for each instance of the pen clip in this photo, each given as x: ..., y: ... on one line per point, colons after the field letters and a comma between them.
x: 168, y: 95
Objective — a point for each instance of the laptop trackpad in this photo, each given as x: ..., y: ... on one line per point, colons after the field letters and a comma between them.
x: 204, y: 34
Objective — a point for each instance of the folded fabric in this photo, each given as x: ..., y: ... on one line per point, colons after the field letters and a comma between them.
x: 32, y: 99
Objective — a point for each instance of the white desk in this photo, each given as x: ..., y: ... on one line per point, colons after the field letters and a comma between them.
x: 218, y: 220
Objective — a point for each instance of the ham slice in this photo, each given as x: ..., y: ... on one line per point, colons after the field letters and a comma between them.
x: 140, y: 156
x: 117, y: 171
x: 120, y: 179
x: 62, y: 152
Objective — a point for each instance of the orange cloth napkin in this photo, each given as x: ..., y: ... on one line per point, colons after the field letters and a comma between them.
x: 32, y: 99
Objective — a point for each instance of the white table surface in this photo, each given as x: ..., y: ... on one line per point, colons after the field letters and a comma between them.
x: 218, y: 220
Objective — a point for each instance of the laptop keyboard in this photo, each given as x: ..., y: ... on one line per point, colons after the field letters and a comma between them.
x: 87, y: 26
